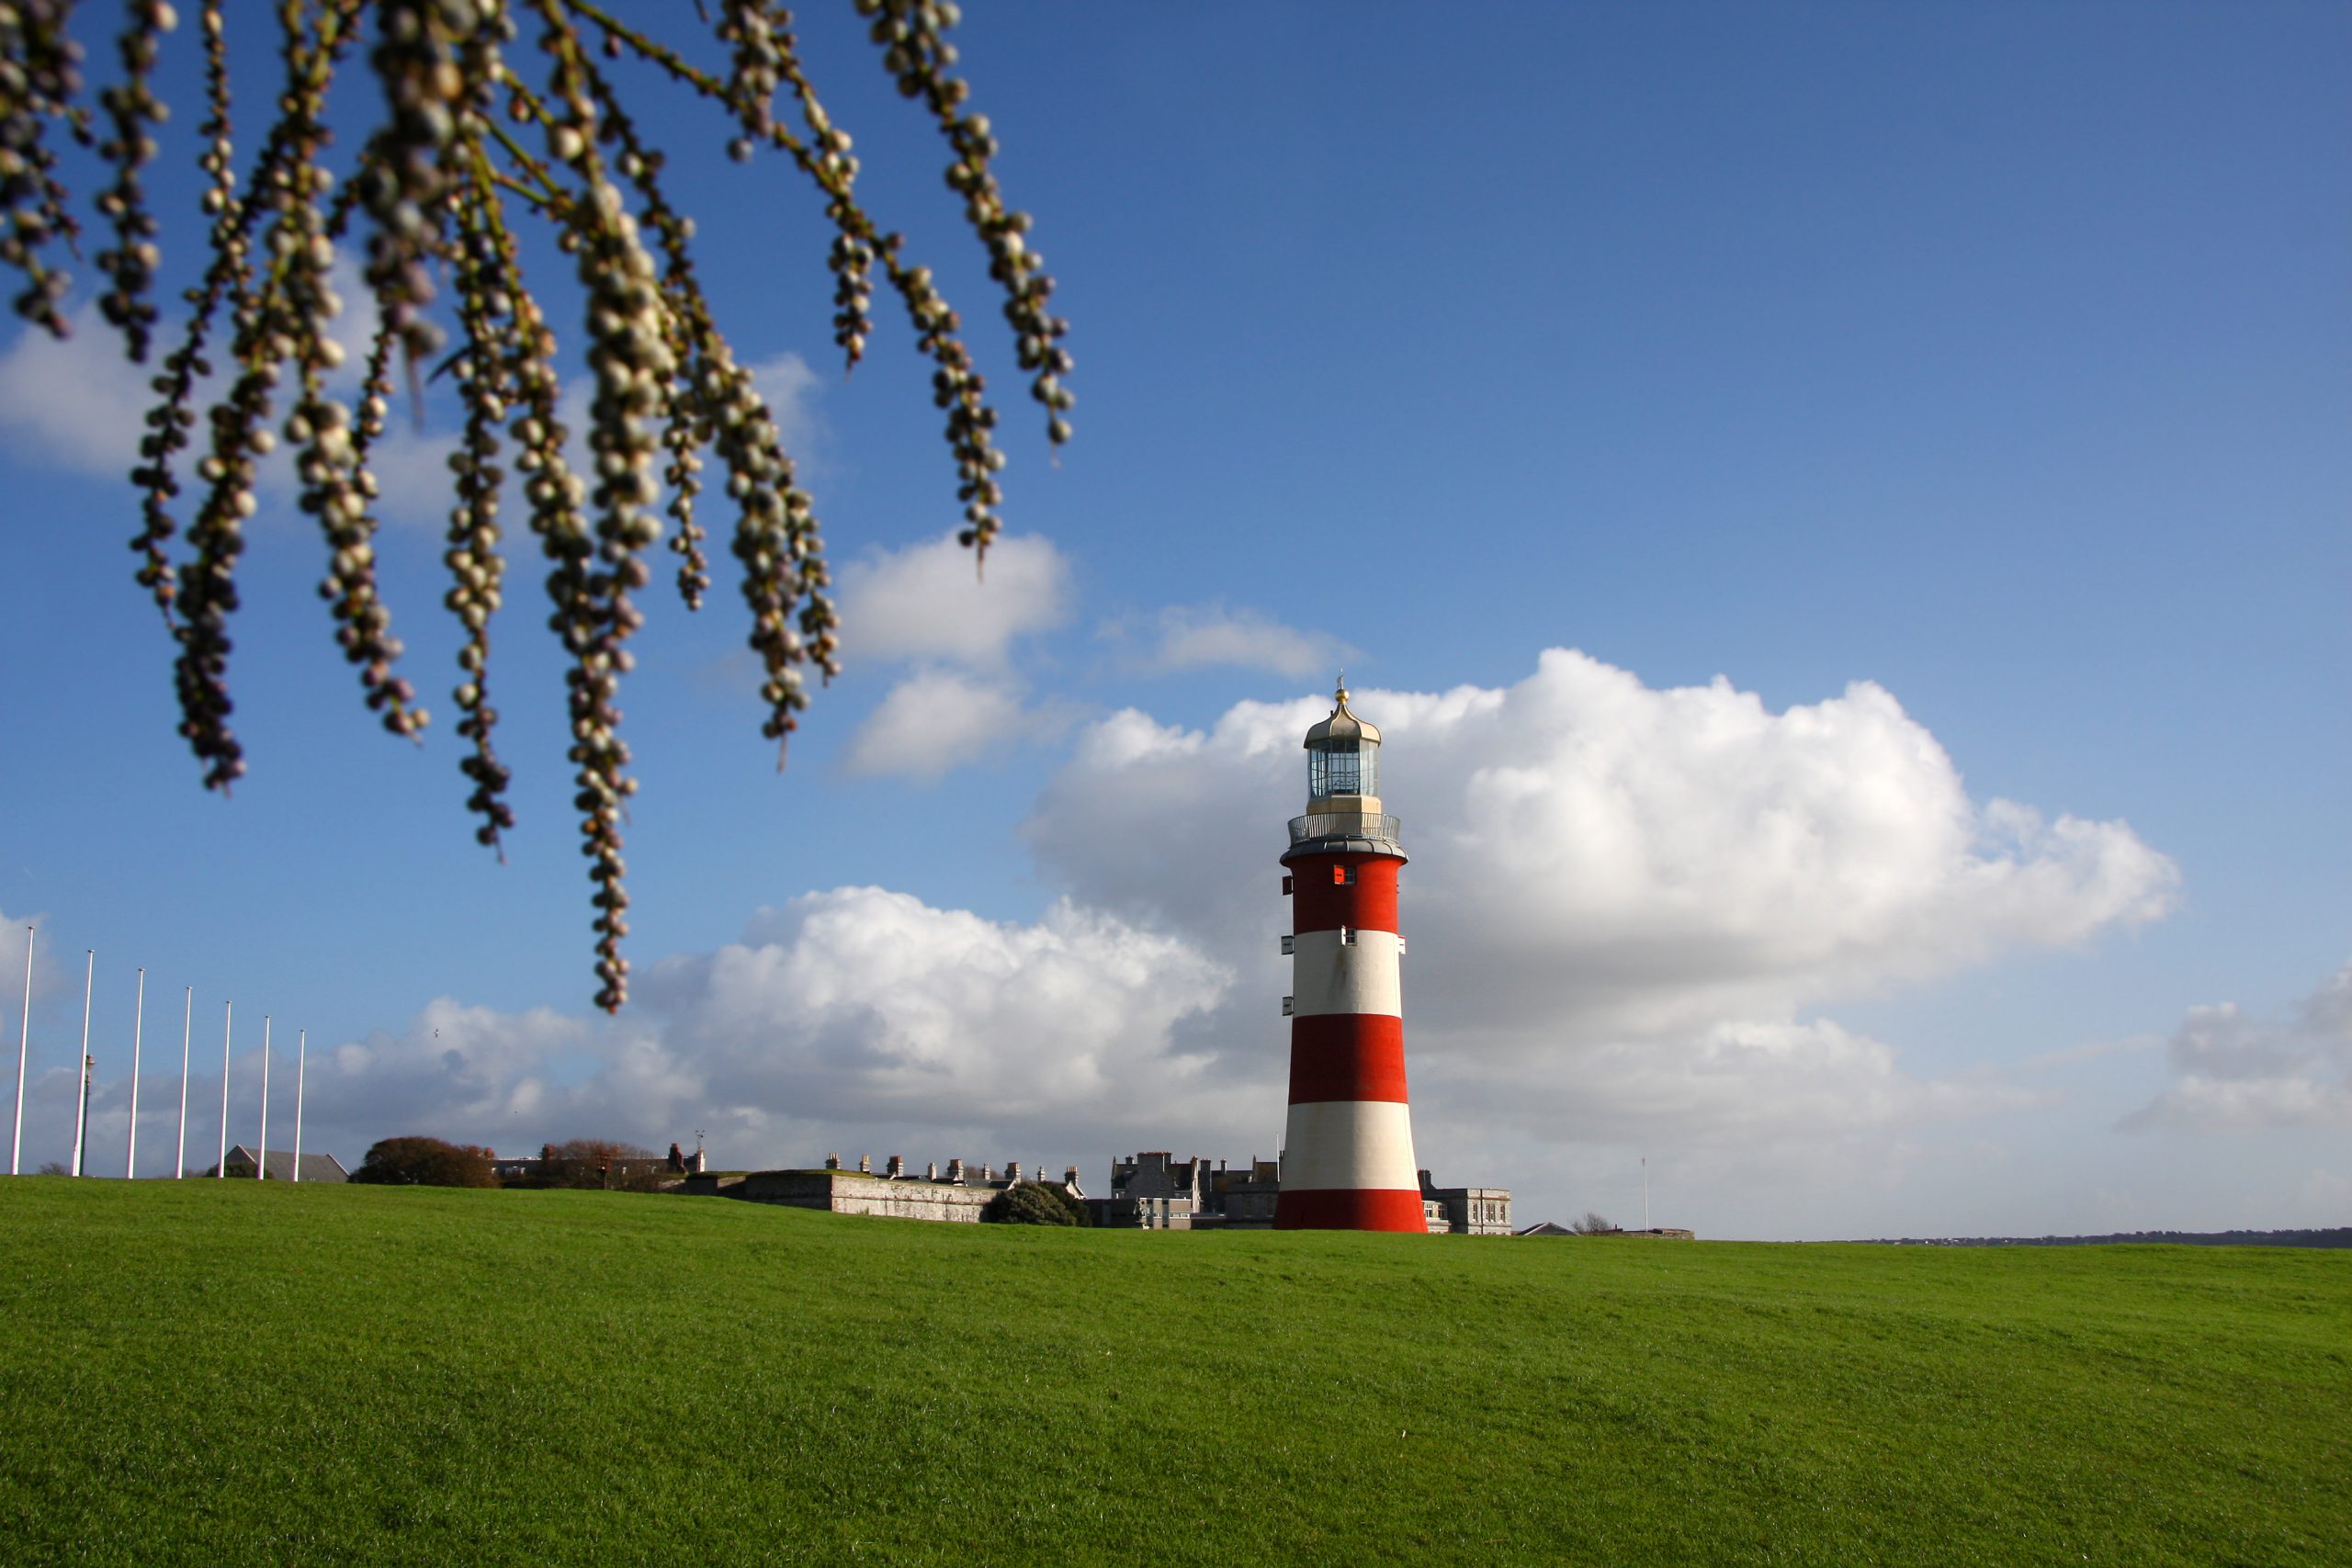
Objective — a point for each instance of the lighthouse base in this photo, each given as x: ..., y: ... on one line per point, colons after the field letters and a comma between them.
x: 1350, y: 1209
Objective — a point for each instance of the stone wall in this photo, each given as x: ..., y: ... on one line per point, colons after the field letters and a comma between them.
x: 850, y: 1192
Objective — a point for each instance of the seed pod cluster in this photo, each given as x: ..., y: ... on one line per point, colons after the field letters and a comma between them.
x: 688, y: 319
x: 287, y: 177
x: 914, y: 36
x: 629, y: 352
x: 435, y: 183
x: 229, y: 273
x: 407, y: 174
x: 293, y: 320
x: 132, y: 109
x: 484, y: 267
x: 765, y: 56
x: 40, y: 74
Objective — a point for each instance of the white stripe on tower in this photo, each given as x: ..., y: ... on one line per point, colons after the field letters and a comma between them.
x: 1330, y: 974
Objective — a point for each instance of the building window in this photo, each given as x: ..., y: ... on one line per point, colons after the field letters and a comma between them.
x: 1285, y: 886
x: 1347, y: 936
x: 1290, y: 945
x: 1286, y: 1005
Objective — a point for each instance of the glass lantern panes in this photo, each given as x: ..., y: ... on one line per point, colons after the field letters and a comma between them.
x: 1342, y: 767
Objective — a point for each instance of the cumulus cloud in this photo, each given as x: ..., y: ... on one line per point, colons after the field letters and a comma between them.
x: 46, y: 975
x: 1199, y: 637
x: 1734, y: 1081
x: 927, y: 601
x: 2235, y: 1073
x: 75, y: 404
x: 937, y: 720
x: 1589, y: 848
x: 79, y: 406
x: 930, y: 601
x: 1623, y: 899
x: 852, y: 1011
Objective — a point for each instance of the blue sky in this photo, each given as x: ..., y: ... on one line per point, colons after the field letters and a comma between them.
x: 1993, y: 358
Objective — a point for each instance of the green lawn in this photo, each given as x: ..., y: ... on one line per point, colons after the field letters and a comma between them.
x: 199, y: 1371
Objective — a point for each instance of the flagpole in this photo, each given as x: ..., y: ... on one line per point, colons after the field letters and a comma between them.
x: 81, y: 1104
x: 138, y: 1022
x: 261, y: 1156
x: 301, y: 1059
x: 187, y: 1026
x: 24, y: 1038
x: 228, y: 1018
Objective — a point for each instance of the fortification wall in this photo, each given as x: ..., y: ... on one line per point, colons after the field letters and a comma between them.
x: 852, y: 1192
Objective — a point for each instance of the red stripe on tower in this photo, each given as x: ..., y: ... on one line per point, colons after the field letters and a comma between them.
x: 1347, y: 1148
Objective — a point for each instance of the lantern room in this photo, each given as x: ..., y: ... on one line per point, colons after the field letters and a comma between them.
x: 1343, y: 761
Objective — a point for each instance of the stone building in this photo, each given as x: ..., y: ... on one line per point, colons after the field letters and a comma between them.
x: 1466, y: 1211
x: 1154, y: 1190
x: 956, y: 1195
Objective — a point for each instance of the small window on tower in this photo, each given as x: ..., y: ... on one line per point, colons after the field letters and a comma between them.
x: 1343, y: 875
x: 1347, y: 936
x: 1285, y: 886
x: 1290, y: 945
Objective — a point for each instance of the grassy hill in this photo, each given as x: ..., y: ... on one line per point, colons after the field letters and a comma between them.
x: 207, y: 1371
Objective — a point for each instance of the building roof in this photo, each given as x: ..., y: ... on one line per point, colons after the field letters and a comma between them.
x: 280, y: 1165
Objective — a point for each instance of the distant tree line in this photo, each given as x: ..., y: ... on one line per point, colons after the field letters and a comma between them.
x: 2333, y: 1236
x: 425, y: 1162
x: 414, y: 1161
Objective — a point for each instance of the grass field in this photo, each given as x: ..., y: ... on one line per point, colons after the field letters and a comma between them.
x: 199, y: 1371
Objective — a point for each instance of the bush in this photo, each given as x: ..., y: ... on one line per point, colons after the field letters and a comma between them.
x: 425, y: 1162
x: 605, y: 1163
x: 1033, y: 1203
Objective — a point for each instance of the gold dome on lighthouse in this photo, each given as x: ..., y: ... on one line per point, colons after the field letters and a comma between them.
x: 1343, y: 724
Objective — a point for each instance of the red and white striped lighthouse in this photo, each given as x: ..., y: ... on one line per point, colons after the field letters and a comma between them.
x: 1347, y: 1159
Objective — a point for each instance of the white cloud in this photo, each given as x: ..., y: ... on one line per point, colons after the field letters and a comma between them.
x: 930, y: 601
x: 927, y: 601
x: 938, y: 720
x: 1736, y: 1081
x: 1623, y: 899
x: 76, y: 404
x: 853, y: 1011
x: 2234, y: 1073
x: 46, y: 978
x: 1198, y: 636
x: 80, y: 406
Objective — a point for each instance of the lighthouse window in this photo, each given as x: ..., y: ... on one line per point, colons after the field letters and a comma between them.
x: 1343, y: 876
x: 1347, y: 936
x: 1339, y: 767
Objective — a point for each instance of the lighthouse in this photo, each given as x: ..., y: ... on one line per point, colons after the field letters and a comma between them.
x: 1347, y: 1159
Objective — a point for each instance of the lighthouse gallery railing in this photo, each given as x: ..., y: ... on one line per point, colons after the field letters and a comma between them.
x: 1343, y: 825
